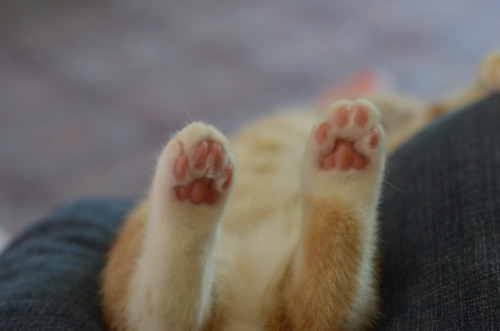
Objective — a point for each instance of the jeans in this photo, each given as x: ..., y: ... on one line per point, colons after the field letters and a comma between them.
x: 49, y: 277
x: 439, y: 240
x: 440, y: 226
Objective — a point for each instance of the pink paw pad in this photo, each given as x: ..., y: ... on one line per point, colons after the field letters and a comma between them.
x: 207, y: 187
x: 349, y: 146
x: 344, y: 157
x: 361, y: 117
x: 342, y: 116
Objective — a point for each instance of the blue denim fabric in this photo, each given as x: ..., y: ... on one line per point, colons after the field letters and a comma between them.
x: 440, y: 240
x: 440, y: 226
x: 49, y: 276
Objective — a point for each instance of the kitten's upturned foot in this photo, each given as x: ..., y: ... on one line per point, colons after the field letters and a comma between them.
x: 202, y: 169
x: 349, y: 136
x: 201, y: 174
x: 196, y: 166
x: 349, y: 142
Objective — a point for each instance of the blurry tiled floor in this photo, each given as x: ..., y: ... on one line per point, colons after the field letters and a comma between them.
x: 90, y: 90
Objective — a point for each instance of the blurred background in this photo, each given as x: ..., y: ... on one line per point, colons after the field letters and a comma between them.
x: 90, y: 90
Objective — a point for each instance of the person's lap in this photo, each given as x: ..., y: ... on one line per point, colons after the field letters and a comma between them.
x: 439, y: 227
x: 49, y: 276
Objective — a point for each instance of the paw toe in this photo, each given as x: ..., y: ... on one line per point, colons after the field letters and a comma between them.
x: 373, y: 138
x: 180, y: 167
x: 322, y: 133
x: 361, y: 117
x: 200, y: 155
x: 342, y: 115
x: 228, y: 173
x: 217, y: 155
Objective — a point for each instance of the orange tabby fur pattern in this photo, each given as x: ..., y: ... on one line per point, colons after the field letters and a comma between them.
x: 273, y: 231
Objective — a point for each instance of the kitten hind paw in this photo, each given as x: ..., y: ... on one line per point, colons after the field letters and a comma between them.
x: 349, y: 136
x: 197, y: 165
x: 349, y: 143
x: 204, y: 187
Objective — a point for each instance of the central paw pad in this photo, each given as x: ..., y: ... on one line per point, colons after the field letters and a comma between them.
x: 202, y: 174
x: 348, y: 136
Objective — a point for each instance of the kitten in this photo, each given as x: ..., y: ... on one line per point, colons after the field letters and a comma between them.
x: 273, y: 231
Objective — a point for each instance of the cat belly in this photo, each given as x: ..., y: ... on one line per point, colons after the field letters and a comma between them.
x: 262, y: 222
x: 250, y: 266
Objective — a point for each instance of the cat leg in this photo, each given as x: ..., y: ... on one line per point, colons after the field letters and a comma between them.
x: 172, y: 285
x: 331, y: 281
x: 489, y: 71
